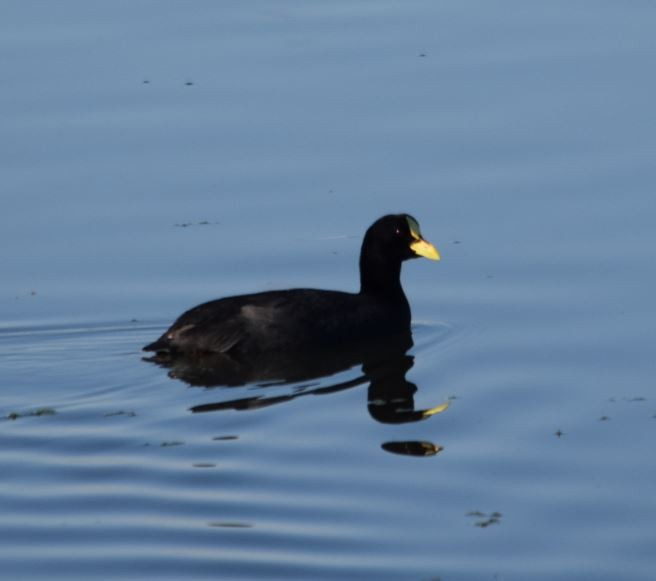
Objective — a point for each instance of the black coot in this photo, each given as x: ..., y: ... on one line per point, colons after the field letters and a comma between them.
x: 309, y: 319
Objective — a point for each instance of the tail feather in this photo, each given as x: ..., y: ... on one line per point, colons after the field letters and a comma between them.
x: 162, y: 344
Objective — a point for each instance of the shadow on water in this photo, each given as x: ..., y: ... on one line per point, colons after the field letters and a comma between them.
x: 383, y: 365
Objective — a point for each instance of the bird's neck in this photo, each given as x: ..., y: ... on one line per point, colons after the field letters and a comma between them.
x: 380, y: 277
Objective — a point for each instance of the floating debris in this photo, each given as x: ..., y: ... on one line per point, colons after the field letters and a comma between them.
x: 34, y: 413
x: 486, y: 520
x: 200, y: 223
x: 127, y: 413
x: 171, y: 443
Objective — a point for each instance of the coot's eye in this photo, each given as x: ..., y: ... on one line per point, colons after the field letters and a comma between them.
x: 397, y: 231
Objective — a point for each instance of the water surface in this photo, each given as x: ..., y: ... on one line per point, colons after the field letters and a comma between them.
x: 156, y: 156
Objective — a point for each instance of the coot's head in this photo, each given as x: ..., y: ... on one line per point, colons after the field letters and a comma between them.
x: 388, y: 242
x: 397, y: 237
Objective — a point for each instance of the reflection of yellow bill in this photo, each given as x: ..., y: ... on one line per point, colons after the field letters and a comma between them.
x: 436, y: 410
x: 430, y: 449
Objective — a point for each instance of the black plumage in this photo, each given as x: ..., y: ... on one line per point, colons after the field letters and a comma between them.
x: 309, y: 319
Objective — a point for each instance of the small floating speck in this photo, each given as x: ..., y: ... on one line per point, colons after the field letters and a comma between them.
x: 203, y: 465
x: 230, y: 525
x: 171, y: 443
x: 224, y: 438
x: 200, y: 223
x: 127, y: 413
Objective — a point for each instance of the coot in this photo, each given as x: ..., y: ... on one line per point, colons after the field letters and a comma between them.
x: 304, y: 320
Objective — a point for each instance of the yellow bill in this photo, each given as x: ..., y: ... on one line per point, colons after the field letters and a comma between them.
x: 425, y: 249
x: 420, y: 246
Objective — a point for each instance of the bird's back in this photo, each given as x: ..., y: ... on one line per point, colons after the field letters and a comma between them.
x: 282, y: 320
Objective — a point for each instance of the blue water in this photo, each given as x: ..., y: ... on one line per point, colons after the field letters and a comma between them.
x: 157, y: 155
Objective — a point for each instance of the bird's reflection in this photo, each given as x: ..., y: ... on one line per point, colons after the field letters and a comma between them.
x: 412, y: 448
x: 384, y: 365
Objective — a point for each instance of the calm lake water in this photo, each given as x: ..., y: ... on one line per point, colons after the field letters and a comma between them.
x: 155, y: 155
